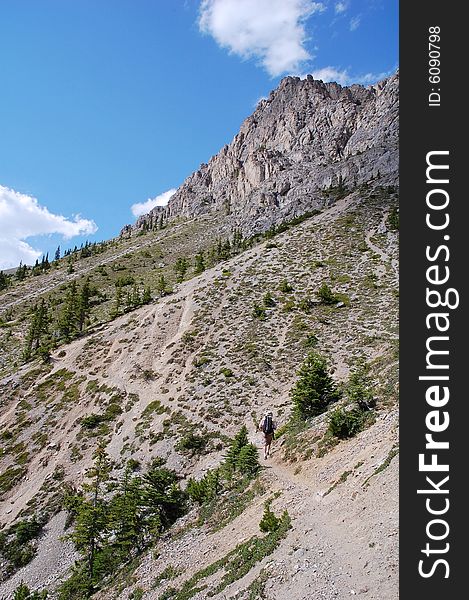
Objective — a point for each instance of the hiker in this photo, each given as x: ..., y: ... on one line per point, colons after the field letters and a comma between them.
x: 268, y: 427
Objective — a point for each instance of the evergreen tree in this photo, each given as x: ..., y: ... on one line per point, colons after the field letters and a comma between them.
x: 268, y: 300
x: 135, y: 299
x: 226, y: 250
x: 326, y: 295
x: 23, y: 592
x: 180, y: 268
x: 92, y: 518
x: 116, y: 309
x: 315, y: 388
x: 199, y: 263
x: 146, y: 297
x: 4, y: 281
x: 21, y: 272
x: 57, y: 253
x: 162, y: 494
x: 162, y: 286
x: 125, y: 515
x: 247, y: 461
x: 239, y: 441
x: 83, y: 305
x: 360, y: 387
x: 269, y: 522
x: 237, y: 242
x: 38, y: 330
x: 68, y: 321
x: 161, y: 222
x: 36, y: 269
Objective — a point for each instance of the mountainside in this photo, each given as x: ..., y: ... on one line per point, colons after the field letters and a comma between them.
x: 143, y: 358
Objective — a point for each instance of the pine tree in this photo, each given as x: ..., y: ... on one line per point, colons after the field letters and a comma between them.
x: 180, y: 268
x: 199, y: 263
x: 247, y: 461
x: 23, y: 592
x: 21, y: 272
x: 57, y: 253
x: 162, y: 494
x: 239, y: 441
x: 326, y: 295
x: 146, y: 297
x: 116, y: 309
x: 360, y: 386
x: 315, y: 388
x: 83, y: 305
x: 4, y: 281
x: 92, y: 518
x: 269, y: 522
x: 226, y: 250
x: 135, y: 299
x: 68, y: 321
x: 126, y: 517
x: 162, y: 286
x: 268, y: 300
x: 38, y: 330
x: 237, y: 243
x: 161, y: 223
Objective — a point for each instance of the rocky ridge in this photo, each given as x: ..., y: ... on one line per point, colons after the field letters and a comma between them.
x: 305, y: 138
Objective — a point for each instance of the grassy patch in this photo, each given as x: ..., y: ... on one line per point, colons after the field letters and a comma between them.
x: 235, y: 565
x: 384, y: 465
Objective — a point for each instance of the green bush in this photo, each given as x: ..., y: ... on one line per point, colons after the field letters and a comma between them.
x: 268, y: 300
x: 191, y: 442
x: 92, y: 421
x: 259, y: 312
x: 326, y: 295
x: 393, y: 219
x: 285, y: 287
x: 226, y: 372
x: 23, y: 592
x: 345, y: 424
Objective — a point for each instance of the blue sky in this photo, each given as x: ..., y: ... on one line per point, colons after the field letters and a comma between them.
x: 106, y: 104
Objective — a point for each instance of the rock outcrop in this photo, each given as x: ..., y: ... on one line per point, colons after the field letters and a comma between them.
x: 305, y: 138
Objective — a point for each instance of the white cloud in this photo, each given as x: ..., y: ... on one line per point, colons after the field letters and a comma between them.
x: 341, y: 7
x: 141, y: 208
x: 355, y: 23
x: 21, y: 217
x: 332, y: 74
x: 271, y: 31
x: 343, y: 77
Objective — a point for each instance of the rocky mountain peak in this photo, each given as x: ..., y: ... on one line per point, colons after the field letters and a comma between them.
x: 305, y: 138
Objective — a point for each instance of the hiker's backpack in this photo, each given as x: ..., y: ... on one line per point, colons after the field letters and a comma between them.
x: 268, y: 425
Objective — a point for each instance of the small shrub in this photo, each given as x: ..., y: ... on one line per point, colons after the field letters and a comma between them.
x: 345, y: 424
x: 226, y: 372
x: 326, y: 295
x: 268, y: 300
x: 22, y: 592
x: 191, y: 442
x: 269, y: 522
x: 285, y: 287
x: 259, y: 312
x: 393, y: 219
x: 92, y: 421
